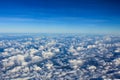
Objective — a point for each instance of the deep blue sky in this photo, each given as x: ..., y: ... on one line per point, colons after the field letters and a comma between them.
x: 86, y: 16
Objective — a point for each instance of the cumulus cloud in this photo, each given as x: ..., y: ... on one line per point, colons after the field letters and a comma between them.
x: 36, y: 58
x: 7, y: 63
x: 49, y: 65
x: 11, y: 61
x: 5, y: 53
x: 41, y: 47
x: 72, y: 50
x: 16, y: 69
x: 80, y: 48
x: 117, y: 50
x: 33, y: 51
x: 92, y: 68
x: 69, y: 57
x: 117, y: 61
x: 91, y: 46
x: 47, y: 54
x: 36, y: 68
x: 75, y: 63
x: 57, y: 50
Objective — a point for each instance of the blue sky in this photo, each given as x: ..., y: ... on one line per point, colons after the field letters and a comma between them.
x: 60, y: 16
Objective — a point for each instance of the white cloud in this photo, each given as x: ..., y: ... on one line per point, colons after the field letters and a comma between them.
x: 18, y: 58
x: 33, y: 51
x: 92, y: 68
x: 26, y: 69
x: 41, y: 47
x: 5, y: 53
x: 117, y: 61
x: 57, y: 50
x: 47, y: 54
x: 9, y: 49
x: 91, y: 46
x: 16, y: 69
x: 36, y: 58
x: 76, y: 62
x: 72, y: 50
x: 22, y: 61
x: 7, y: 63
x: 51, y: 43
x: 49, y: 65
x: 36, y: 68
x: 80, y: 48
x: 117, y: 50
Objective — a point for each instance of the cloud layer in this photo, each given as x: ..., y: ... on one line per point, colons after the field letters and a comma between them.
x: 59, y: 56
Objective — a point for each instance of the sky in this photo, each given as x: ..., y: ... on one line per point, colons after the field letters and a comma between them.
x: 60, y: 16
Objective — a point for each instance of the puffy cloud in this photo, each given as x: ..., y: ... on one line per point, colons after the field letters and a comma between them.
x: 19, y: 59
x: 33, y: 51
x: 26, y: 69
x: 117, y: 61
x: 7, y: 63
x: 107, y: 38
x: 5, y: 53
x: 49, y: 65
x: 91, y: 46
x: 117, y: 44
x: 117, y: 50
x: 80, y: 48
x: 9, y: 49
x: 36, y: 68
x: 72, y: 50
x: 92, y: 68
x: 16, y: 69
x: 76, y: 62
x: 36, y: 58
x: 27, y: 43
x: 57, y: 50
x: 41, y: 47
x: 31, y: 58
x: 47, y: 54
x: 51, y: 43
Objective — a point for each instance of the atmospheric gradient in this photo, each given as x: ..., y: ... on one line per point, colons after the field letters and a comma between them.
x: 60, y: 16
x: 59, y: 39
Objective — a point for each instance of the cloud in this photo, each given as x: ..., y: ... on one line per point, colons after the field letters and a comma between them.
x: 56, y: 50
x: 117, y: 61
x: 28, y: 58
x: 76, y: 62
x: 47, y: 54
x: 11, y: 61
x: 71, y: 49
x: 7, y: 63
x: 49, y: 65
x: 5, y: 53
x: 41, y: 47
x: 36, y: 58
x: 91, y: 46
x: 117, y: 50
x: 92, y: 68
x: 33, y: 51
x: 16, y: 69
x: 80, y: 48
x: 36, y: 68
